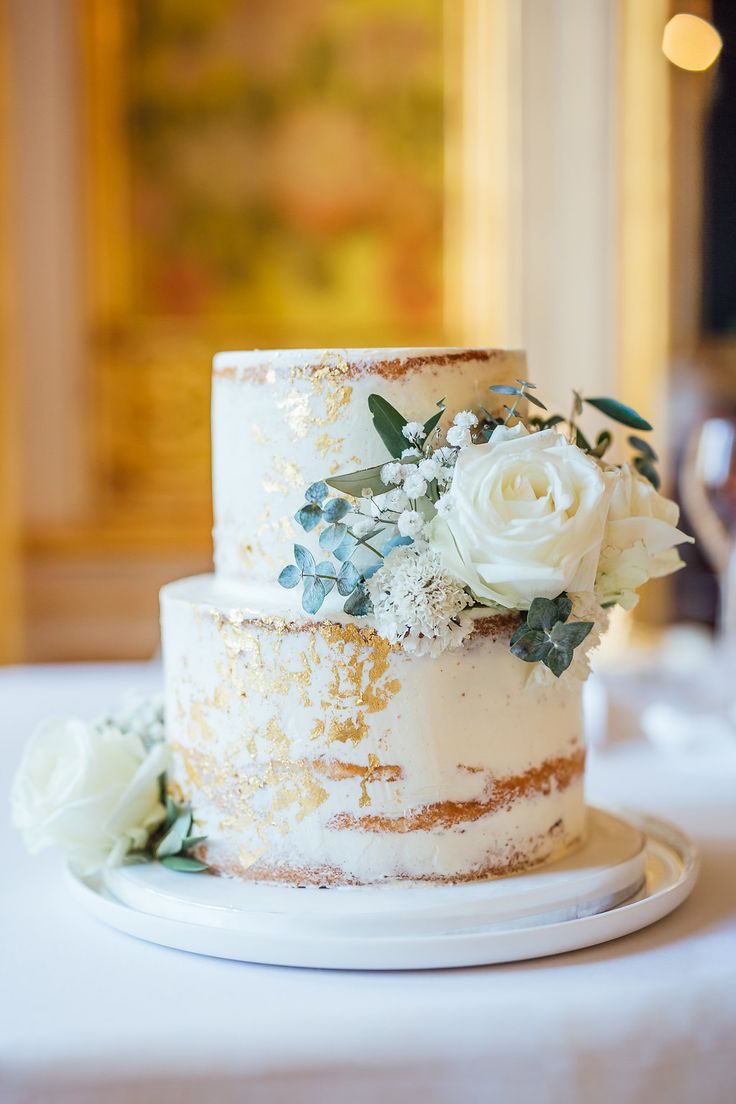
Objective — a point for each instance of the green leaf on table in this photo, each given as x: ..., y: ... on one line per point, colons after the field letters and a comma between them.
x: 619, y: 412
x: 184, y: 864
x: 172, y: 842
x: 389, y: 424
x: 192, y: 841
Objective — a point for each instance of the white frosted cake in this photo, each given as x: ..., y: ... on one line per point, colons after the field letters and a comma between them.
x: 381, y: 682
x: 312, y: 749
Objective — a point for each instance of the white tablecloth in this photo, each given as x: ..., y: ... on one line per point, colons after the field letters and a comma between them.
x: 88, y: 1014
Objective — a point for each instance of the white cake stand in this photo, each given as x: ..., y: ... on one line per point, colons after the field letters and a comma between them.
x: 632, y: 871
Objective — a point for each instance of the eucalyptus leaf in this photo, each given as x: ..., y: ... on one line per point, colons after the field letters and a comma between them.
x: 347, y: 579
x: 326, y: 573
x: 389, y: 424
x: 546, y: 612
x: 354, y: 483
x: 308, y: 516
x: 304, y: 559
x: 359, y: 603
x: 290, y: 577
x: 346, y: 547
x: 184, y: 864
x: 174, y: 838
x: 317, y: 492
x: 643, y: 447
x: 336, y: 509
x: 571, y: 634
x: 534, y: 401
x: 504, y: 389
x: 332, y: 536
x: 531, y: 645
x: 313, y: 595
x: 612, y: 408
x: 558, y: 659
x: 527, y: 383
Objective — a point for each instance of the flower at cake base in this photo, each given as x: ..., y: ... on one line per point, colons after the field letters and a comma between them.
x: 417, y: 604
x: 639, y: 542
x: 90, y: 789
x: 524, y: 518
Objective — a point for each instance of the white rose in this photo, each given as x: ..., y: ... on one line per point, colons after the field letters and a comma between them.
x: 89, y: 789
x: 639, y: 540
x: 526, y: 518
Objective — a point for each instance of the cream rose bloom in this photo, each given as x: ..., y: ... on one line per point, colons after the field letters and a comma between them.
x: 639, y: 540
x: 524, y: 518
x: 89, y: 789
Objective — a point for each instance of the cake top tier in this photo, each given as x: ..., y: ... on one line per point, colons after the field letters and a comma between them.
x: 282, y: 419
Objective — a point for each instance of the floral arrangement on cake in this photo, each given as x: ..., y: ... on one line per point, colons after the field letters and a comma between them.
x: 508, y: 513
x: 98, y: 791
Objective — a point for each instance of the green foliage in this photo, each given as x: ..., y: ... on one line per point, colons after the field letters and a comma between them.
x: 354, y: 483
x: 174, y: 839
x: 389, y: 424
x: 546, y: 636
x: 644, y: 461
x: 183, y: 863
x: 619, y: 412
x: 434, y: 421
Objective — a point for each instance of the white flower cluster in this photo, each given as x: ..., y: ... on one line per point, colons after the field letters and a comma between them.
x: 459, y: 434
x: 416, y: 604
x: 92, y: 788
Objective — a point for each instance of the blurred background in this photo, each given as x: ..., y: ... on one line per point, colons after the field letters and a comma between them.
x: 183, y: 176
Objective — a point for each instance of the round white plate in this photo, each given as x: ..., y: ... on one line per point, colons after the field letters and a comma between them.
x: 632, y: 871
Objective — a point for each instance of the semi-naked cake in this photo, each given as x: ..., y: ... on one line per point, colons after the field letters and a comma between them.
x: 312, y: 749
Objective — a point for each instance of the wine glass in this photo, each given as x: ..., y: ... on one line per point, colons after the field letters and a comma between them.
x: 709, y: 495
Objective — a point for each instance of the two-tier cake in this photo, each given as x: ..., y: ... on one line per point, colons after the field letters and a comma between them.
x: 312, y: 749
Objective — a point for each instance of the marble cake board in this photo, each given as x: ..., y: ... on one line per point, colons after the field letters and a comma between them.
x: 632, y: 871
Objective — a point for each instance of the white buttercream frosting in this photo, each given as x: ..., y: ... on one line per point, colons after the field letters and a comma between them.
x: 312, y: 750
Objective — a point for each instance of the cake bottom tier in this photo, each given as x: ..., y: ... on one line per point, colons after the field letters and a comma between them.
x: 314, y: 753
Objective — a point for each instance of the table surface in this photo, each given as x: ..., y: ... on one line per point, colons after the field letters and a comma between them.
x: 88, y: 1014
